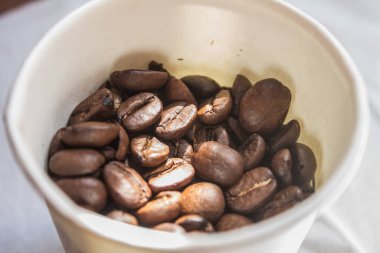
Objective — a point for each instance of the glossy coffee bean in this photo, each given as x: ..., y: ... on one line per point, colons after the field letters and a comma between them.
x: 123, y: 216
x: 195, y: 222
x: 174, y: 174
x: 304, y: 164
x: 108, y: 152
x: 212, y: 133
x: 176, y: 120
x: 139, y: 80
x: 264, y: 106
x: 252, y: 151
x: 181, y: 149
x: 139, y: 112
x: 231, y: 221
x: 169, y: 227
x: 126, y: 187
x: 164, y: 207
x: 156, y: 66
x: 236, y: 132
x: 216, y: 109
x: 116, y: 94
x: 201, y: 86
x: 205, y: 199
x: 253, y: 190
x: 98, y: 106
x: 281, y: 166
x: 177, y: 91
x: 148, y: 151
x: 239, y: 88
x: 87, y: 192
x: 218, y: 163
x: 75, y: 162
x: 285, y: 136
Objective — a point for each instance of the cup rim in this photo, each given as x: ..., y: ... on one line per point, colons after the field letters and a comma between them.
x: 315, y: 204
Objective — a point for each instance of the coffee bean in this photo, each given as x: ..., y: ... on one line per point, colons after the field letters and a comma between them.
x: 281, y: 165
x: 177, y: 91
x: 252, y: 151
x: 108, y: 152
x: 237, y: 133
x: 216, y: 109
x: 139, y: 80
x: 192, y: 222
x: 201, y: 86
x: 212, y: 133
x: 123, y: 216
x: 205, y: 199
x: 239, y: 88
x: 116, y: 94
x: 166, y: 206
x: 87, y: 192
x: 76, y: 162
x: 126, y: 187
x: 285, y: 136
x: 169, y: 227
x: 231, y: 221
x: 56, y: 143
x: 156, y: 66
x: 98, y: 106
x: 174, y: 174
x: 304, y: 164
x: 218, y: 163
x: 252, y: 191
x: 176, y: 120
x: 148, y: 151
x: 140, y: 111
x: 264, y: 106
x: 181, y: 149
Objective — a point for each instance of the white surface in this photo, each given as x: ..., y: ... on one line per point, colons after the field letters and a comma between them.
x: 23, y: 214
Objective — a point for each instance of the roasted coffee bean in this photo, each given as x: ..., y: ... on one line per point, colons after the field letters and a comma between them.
x: 177, y: 91
x: 205, y: 199
x: 216, y: 109
x: 87, y: 192
x: 176, y: 120
x: 126, y: 187
x: 165, y: 206
x: 252, y: 191
x: 123, y: 216
x: 281, y: 166
x: 252, y: 151
x: 181, y: 149
x: 156, y: 66
x: 239, y: 88
x: 139, y: 80
x: 116, y: 94
x: 285, y: 136
x: 281, y: 201
x: 201, y: 86
x: 211, y: 133
x: 264, y: 106
x: 148, y: 151
x: 218, y: 163
x: 231, y: 221
x: 304, y: 164
x: 169, y: 227
x: 98, y: 106
x: 76, y: 162
x: 174, y: 174
x: 108, y: 152
x: 192, y: 222
x: 237, y: 133
x: 140, y: 111
x: 56, y: 143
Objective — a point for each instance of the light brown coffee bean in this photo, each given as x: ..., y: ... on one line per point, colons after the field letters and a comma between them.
x: 304, y: 164
x: 216, y: 109
x: 231, y: 221
x: 201, y: 86
x: 123, y: 216
x: 195, y: 222
x: 148, y: 151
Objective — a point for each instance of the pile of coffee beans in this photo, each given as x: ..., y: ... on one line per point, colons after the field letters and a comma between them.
x: 183, y: 155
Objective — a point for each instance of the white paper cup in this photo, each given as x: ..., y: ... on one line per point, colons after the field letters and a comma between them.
x: 216, y: 38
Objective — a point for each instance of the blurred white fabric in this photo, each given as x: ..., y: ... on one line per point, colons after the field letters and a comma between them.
x: 25, y: 224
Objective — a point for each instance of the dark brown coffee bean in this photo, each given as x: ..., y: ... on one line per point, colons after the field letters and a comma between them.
x: 139, y: 80
x: 156, y: 66
x: 201, y: 86
x: 285, y: 136
x: 126, y: 187
x: 169, y: 227
x: 108, y: 152
x: 140, y: 111
x: 252, y: 191
x: 218, y: 163
x: 87, y: 192
x: 252, y: 151
x: 123, y: 216
x: 75, y: 162
x: 116, y: 94
x: 176, y: 120
x: 205, y: 199
x: 148, y: 151
x: 181, y: 149
x: 56, y: 143
x: 191, y: 222
x: 304, y: 164
x: 216, y: 109
x: 237, y: 133
x: 211, y: 133
x: 264, y: 106
x: 98, y: 106
x: 174, y: 174
x: 281, y: 165
x: 177, y: 91
x: 166, y: 206
x: 239, y: 88
x: 231, y: 221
